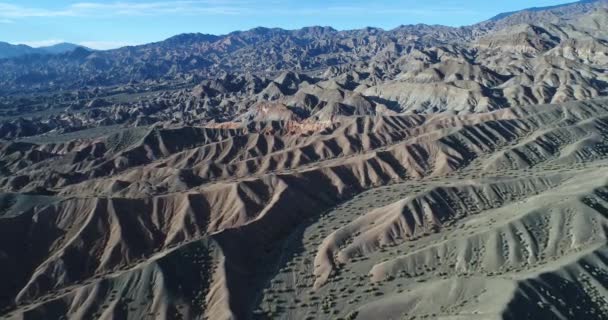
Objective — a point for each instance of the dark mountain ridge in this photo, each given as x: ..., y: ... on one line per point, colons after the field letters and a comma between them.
x: 8, y: 50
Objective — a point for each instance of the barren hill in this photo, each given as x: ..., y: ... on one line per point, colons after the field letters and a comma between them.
x: 424, y: 172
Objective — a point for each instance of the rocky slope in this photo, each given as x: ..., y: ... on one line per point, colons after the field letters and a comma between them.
x: 420, y: 173
x: 315, y: 73
x: 363, y: 215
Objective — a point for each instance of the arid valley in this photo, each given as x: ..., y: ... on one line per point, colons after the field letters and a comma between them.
x: 423, y: 172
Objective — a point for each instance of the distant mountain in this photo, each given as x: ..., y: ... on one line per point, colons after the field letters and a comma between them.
x: 269, y: 51
x: 8, y: 50
x: 61, y: 48
x: 552, y: 14
x: 537, y: 9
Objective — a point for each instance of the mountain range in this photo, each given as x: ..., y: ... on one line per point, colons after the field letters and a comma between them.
x: 260, y: 51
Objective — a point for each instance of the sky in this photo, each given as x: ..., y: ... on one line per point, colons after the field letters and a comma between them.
x: 110, y: 24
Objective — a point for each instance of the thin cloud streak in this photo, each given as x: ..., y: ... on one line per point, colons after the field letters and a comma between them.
x: 92, y: 9
x: 159, y: 8
x: 374, y: 10
x: 209, y: 7
x: 42, y: 43
x: 8, y: 10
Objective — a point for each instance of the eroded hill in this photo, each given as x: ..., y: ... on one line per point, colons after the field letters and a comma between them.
x: 369, y: 214
x: 420, y: 173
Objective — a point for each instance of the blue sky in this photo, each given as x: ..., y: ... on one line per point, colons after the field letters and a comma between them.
x: 109, y: 24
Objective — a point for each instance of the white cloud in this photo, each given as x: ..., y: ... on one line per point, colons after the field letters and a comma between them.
x: 214, y: 7
x: 42, y: 43
x: 105, y: 45
x: 6, y: 21
x: 92, y: 9
x: 8, y: 10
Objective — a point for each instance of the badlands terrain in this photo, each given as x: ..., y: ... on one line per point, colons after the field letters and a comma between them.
x: 424, y: 172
